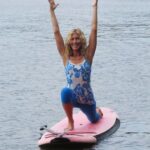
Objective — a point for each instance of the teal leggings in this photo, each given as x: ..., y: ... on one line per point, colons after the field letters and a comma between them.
x: 89, y: 110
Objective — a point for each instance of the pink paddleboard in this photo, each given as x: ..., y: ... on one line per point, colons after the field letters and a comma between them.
x: 84, y: 132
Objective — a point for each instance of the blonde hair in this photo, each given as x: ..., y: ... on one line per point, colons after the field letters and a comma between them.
x: 68, y: 49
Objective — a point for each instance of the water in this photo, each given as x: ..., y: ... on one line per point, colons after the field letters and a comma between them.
x: 31, y: 72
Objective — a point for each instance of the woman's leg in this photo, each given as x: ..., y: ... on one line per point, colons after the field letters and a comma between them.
x: 92, y: 113
x: 66, y: 98
x: 69, y: 111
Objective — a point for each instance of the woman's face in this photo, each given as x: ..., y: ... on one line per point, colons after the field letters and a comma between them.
x: 75, y: 42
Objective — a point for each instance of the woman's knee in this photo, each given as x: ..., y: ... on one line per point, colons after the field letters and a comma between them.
x: 95, y: 118
x: 66, y: 95
x: 91, y: 113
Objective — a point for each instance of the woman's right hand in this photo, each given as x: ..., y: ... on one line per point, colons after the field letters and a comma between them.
x: 52, y: 4
x: 94, y: 2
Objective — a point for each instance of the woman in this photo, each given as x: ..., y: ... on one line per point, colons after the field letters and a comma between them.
x: 77, y: 58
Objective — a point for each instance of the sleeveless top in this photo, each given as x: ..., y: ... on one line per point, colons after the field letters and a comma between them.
x: 78, y: 79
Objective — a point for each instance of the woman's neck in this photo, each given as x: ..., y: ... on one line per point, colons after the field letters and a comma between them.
x: 76, y: 54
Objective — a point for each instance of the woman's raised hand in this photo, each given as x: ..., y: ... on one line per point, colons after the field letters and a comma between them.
x: 52, y: 4
x: 94, y: 2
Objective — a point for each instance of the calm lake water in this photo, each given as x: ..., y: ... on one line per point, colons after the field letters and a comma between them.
x: 31, y: 71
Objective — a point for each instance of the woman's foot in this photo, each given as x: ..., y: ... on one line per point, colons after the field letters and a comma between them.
x: 100, y: 112
x: 70, y: 125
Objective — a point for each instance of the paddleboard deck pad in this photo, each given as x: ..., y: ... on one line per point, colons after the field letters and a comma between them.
x: 84, y: 133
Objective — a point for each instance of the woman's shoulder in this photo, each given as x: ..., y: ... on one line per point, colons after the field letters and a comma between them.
x: 88, y: 60
x: 65, y: 60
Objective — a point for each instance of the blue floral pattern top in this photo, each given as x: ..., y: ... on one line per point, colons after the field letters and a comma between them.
x: 78, y: 79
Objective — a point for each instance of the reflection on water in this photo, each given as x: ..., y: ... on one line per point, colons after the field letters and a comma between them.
x: 65, y: 148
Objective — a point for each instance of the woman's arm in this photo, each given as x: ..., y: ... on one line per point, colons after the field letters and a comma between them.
x: 93, y: 35
x: 57, y: 34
